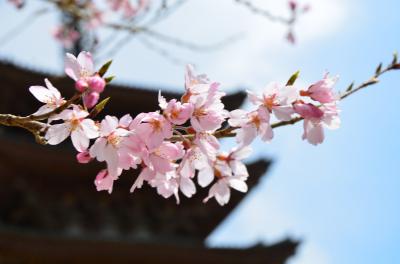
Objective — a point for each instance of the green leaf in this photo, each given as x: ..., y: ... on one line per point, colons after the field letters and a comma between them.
x: 395, y: 58
x: 109, y: 79
x: 104, y: 68
x: 99, y: 107
x: 350, y: 87
x: 378, y: 69
x: 293, y: 78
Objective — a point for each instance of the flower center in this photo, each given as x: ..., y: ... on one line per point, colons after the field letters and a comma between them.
x: 255, y: 120
x: 75, y: 122
x: 270, y: 102
x: 200, y: 112
x: 113, y: 139
x: 156, y: 124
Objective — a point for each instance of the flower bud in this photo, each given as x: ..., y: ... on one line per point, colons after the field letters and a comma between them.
x: 91, y: 99
x: 292, y: 5
x: 81, y: 85
x: 83, y: 157
x: 96, y: 84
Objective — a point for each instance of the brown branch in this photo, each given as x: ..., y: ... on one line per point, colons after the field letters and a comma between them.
x: 31, y: 122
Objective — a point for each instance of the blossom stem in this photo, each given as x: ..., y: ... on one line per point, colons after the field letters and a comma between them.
x: 31, y: 122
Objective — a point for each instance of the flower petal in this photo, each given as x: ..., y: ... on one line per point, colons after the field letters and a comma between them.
x: 57, y: 133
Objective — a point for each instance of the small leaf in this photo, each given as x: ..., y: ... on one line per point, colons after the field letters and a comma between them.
x: 109, y: 79
x: 104, y: 68
x: 98, y: 108
x: 293, y: 78
x: 394, y: 58
x: 378, y: 69
x: 350, y: 87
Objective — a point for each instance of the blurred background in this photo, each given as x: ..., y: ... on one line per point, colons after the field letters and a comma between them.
x: 339, y: 200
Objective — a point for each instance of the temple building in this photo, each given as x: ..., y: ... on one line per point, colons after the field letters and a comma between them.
x: 50, y: 211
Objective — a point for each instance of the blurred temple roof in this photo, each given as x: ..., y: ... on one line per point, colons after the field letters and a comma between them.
x: 50, y: 209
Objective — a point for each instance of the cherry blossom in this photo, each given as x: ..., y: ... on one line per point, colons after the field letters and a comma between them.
x: 277, y: 99
x: 75, y: 124
x: 315, y: 119
x: 231, y: 173
x: 107, y: 146
x: 104, y: 180
x: 176, y: 112
x: 154, y: 128
x: 321, y: 91
x: 251, y: 124
x: 209, y: 112
x: 48, y: 95
x: 80, y: 67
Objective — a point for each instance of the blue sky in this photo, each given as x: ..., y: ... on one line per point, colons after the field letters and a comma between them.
x: 340, y: 198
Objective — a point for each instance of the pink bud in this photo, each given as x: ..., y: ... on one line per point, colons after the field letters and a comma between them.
x: 293, y: 5
x: 81, y: 85
x: 83, y: 157
x: 96, y: 84
x: 91, y: 99
x: 290, y: 37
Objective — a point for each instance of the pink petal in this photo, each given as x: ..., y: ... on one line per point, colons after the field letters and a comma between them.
x: 205, y: 176
x: 85, y: 61
x: 238, y: 185
x: 89, y: 128
x: 72, y: 67
x: 187, y: 187
x: 41, y: 93
x: 79, y: 140
x: 57, y: 133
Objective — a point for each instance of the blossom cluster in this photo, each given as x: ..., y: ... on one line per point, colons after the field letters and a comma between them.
x: 178, y: 145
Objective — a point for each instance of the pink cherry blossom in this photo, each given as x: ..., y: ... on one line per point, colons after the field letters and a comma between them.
x: 231, y: 173
x: 250, y: 125
x: 107, y: 146
x: 209, y: 112
x: 154, y: 128
x: 198, y: 158
x: 80, y: 67
x: 195, y: 85
x: 48, y: 95
x: 166, y: 184
x: 104, y: 180
x: 162, y: 159
x: 75, y: 124
x: 321, y: 91
x: 230, y: 164
x: 176, y: 112
x: 315, y: 119
x: 221, y: 189
x: 276, y: 99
